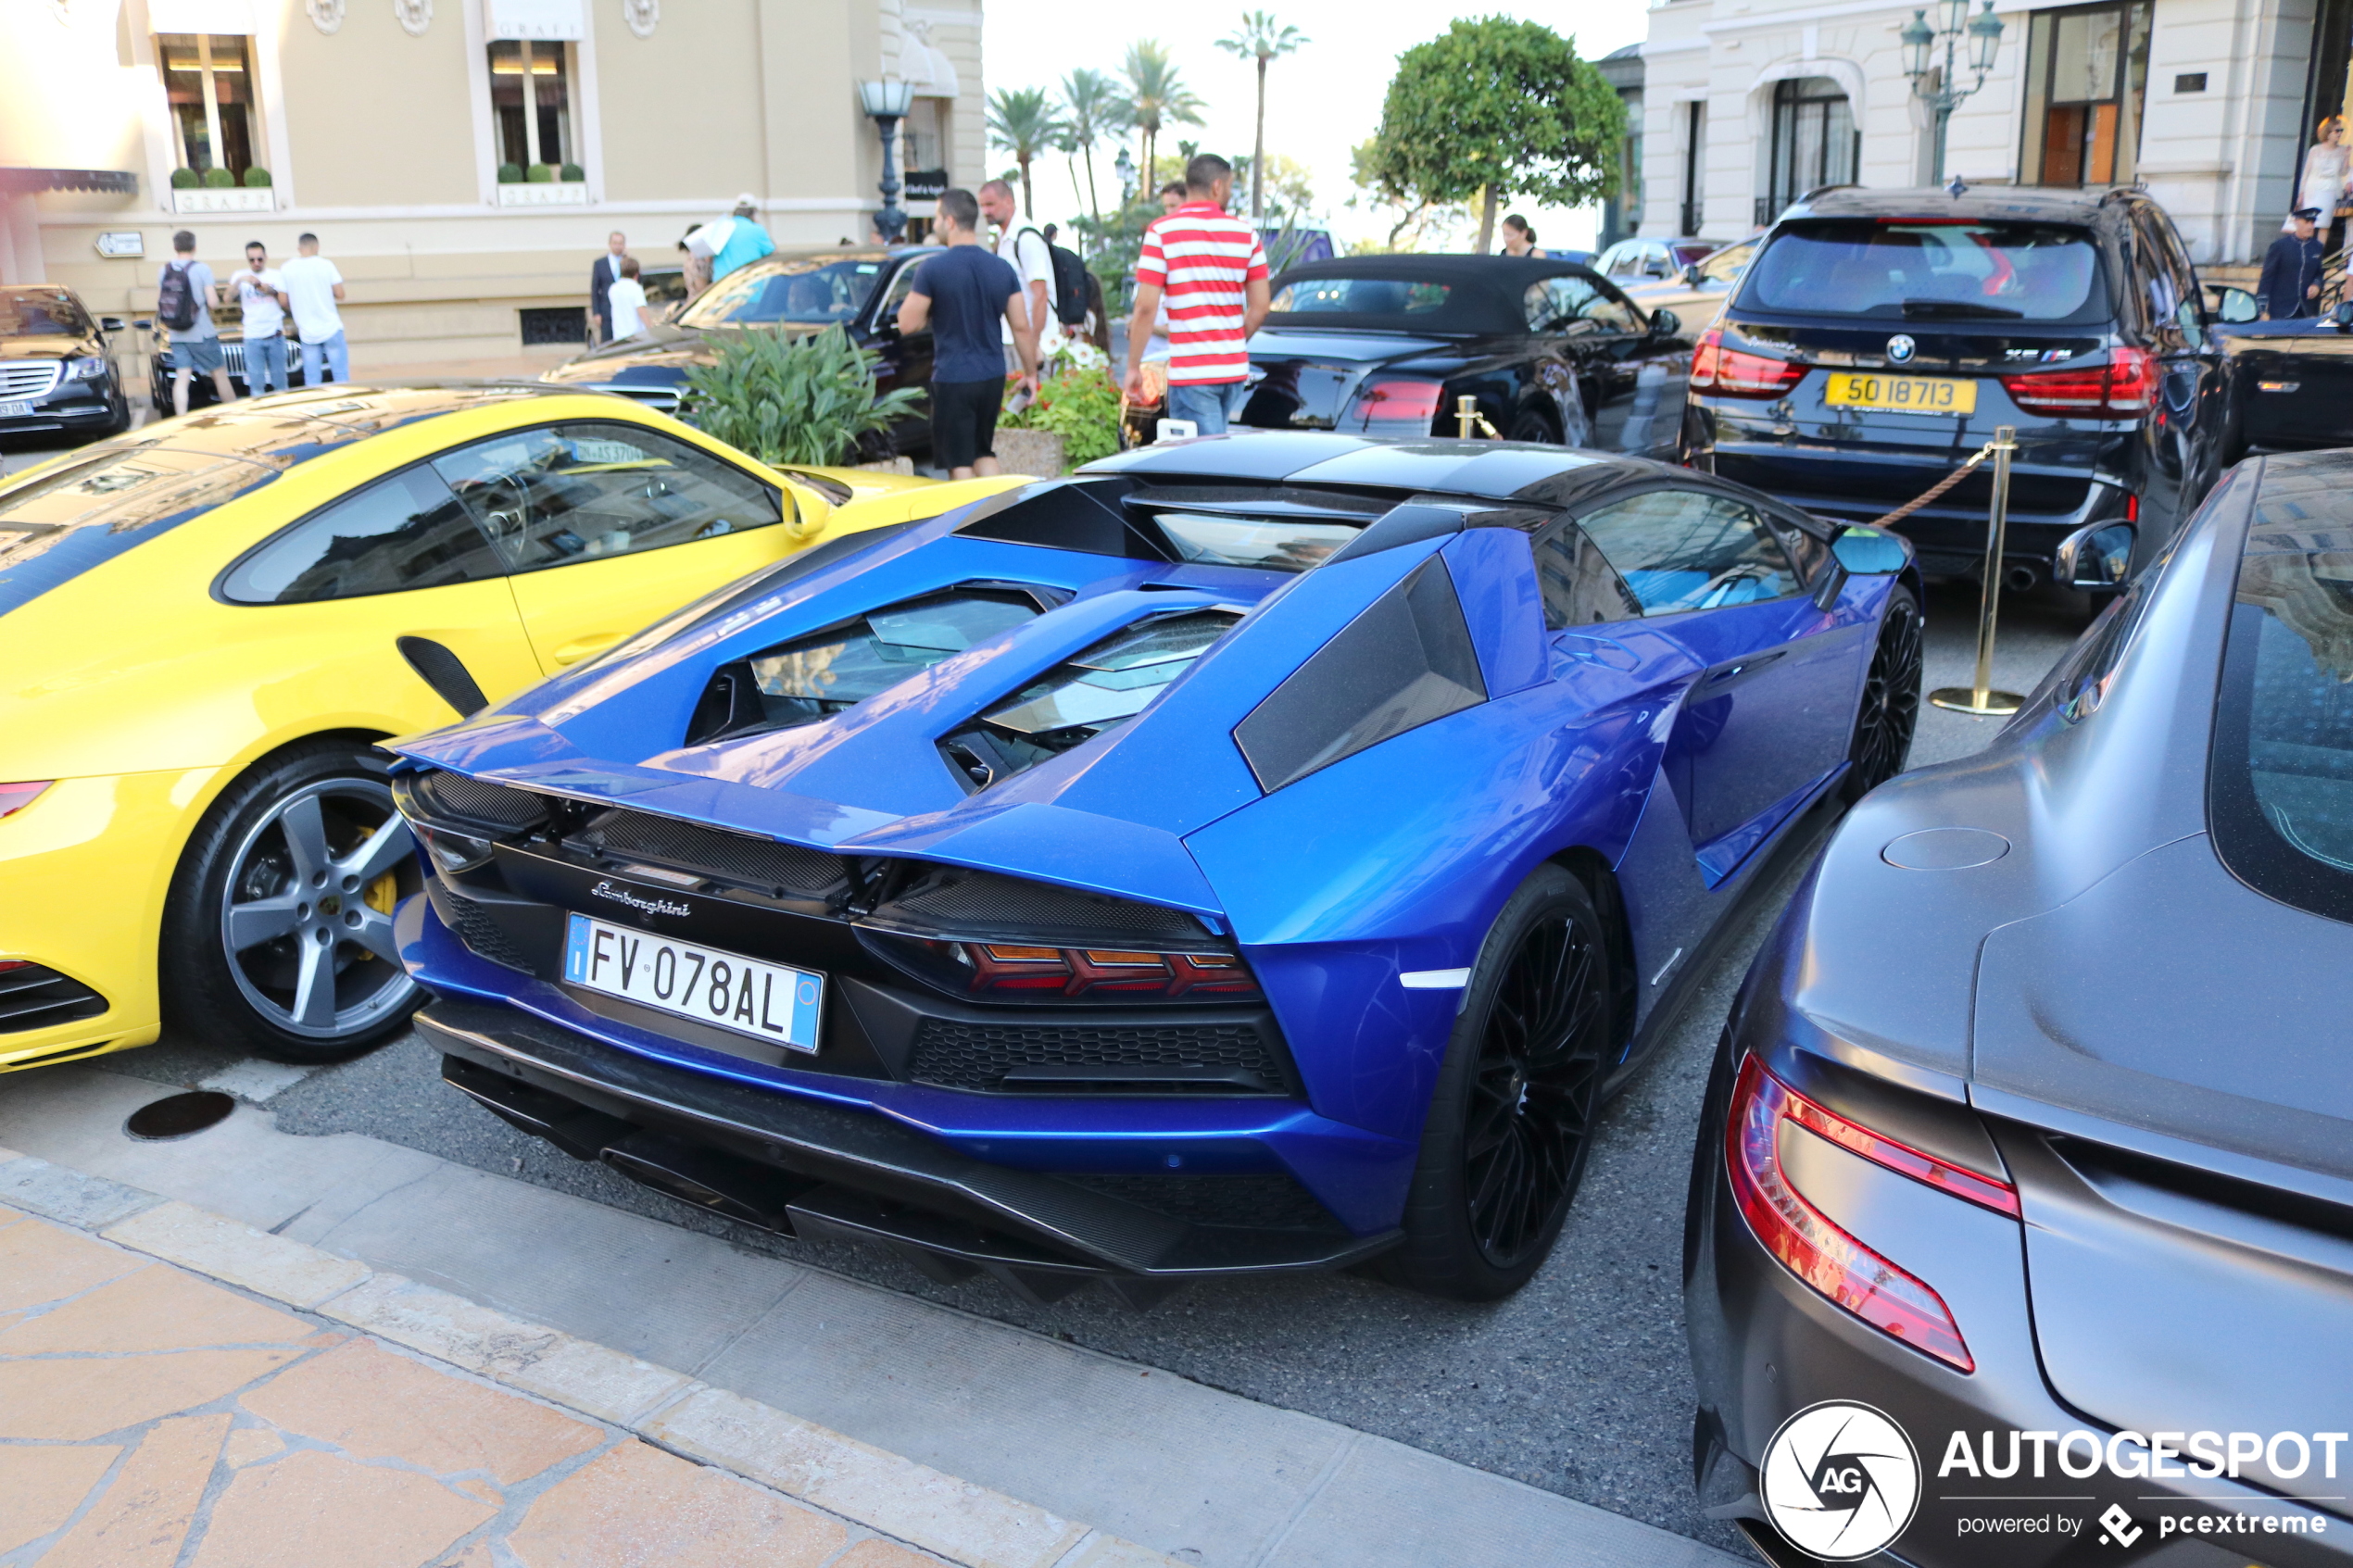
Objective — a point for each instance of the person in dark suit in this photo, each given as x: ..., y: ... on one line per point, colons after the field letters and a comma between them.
x: 2290, y: 283
x: 600, y: 279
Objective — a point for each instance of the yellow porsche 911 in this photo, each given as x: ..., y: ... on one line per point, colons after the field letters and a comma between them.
x: 205, y: 624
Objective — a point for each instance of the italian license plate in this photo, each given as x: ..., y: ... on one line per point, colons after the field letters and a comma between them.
x: 768, y: 1001
x: 14, y: 411
x: 1901, y: 395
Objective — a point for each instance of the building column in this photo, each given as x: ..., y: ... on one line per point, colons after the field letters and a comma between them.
x: 21, y: 258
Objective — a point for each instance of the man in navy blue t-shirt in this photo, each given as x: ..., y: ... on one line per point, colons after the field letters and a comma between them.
x: 961, y: 294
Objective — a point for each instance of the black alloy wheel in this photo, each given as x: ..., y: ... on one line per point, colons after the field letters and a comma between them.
x: 1890, y: 711
x: 1511, y: 1120
x: 278, y: 932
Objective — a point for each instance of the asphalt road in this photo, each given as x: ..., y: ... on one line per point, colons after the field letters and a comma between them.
x: 1579, y: 1385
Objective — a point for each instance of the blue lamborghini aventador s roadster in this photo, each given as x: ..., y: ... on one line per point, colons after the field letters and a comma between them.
x: 1253, y: 853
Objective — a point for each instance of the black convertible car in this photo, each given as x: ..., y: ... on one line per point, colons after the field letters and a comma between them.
x: 1389, y: 344
x: 2291, y: 382
x: 2021, y: 1224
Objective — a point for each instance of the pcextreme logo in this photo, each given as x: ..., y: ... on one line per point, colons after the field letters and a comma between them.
x: 1841, y: 1480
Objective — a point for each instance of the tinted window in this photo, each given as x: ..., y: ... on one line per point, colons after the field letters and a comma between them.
x: 2280, y: 778
x: 1727, y: 265
x: 1685, y: 549
x: 1573, y: 305
x: 812, y: 292
x: 1928, y: 272
x: 41, y: 312
x: 402, y: 532
x: 1579, y: 585
x: 549, y: 497
x: 1362, y: 297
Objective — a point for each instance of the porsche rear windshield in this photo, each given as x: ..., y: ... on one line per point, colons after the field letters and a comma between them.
x: 1929, y: 271
x: 1406, y: 298
x: 41, y: 312
x: 812, y: 293
x: 2280, y: 776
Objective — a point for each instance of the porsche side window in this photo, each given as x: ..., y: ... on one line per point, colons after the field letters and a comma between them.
x: 1579, y: 585
x: 1686, y: 549
x: 1609, y: 314
x: 573, y: 492
x: 402, y: 532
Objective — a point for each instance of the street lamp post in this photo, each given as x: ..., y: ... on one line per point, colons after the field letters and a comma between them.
x: 1981, y: 35
x: 1126, y: 166
x: 886, y: 103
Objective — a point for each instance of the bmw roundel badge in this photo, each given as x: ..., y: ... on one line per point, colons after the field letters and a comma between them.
x: 1901, y: 347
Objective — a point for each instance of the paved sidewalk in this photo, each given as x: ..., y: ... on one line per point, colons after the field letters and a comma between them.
x: 230, y: 1408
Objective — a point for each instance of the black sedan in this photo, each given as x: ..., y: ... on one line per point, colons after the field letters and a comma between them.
x: 1547, y: 350
x: 2290, y: 382
x: 57, y: 374
x: 796, y: 292
x: 2018, y: 1222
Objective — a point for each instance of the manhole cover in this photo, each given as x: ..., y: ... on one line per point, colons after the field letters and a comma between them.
x: 176, y: 1116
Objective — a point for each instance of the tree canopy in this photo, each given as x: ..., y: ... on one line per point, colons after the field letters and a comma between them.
x: 1497, y: 109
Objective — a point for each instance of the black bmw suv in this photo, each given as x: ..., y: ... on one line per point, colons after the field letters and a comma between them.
x: 1881, y: 336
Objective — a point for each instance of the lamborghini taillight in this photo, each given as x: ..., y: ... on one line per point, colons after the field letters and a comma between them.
x: 1007, y: 972
x: 1817, y: 1251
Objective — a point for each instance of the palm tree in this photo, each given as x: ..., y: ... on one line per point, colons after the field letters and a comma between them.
x: 1022, y: 123
x: 1090, y: 107
x: 1156, y: 98
x: 1259, y: 39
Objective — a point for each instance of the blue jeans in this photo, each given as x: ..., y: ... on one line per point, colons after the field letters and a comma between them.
x: 1208, y: 404
x: 266, y: 365
x: 338, y: 357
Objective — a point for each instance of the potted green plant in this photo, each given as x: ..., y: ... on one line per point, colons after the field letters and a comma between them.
x: 186, y: 179
x: 804, y: 399
x: 1074, y: 420
x: 219, y: 179
x: 542, y: 174
x: 510, y: 174
x: 257, y: 177
x: 574, y: 175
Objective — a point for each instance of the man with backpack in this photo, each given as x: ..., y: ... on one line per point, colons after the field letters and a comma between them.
x: 1032, y: 259
x: 185, y: 293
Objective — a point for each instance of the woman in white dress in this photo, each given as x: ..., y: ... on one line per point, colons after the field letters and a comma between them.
x: 2323, y: 184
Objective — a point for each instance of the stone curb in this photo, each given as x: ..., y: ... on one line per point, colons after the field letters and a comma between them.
x: 885, y: 1492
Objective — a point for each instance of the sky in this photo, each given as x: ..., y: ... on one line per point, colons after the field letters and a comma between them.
x: 1320, y: 102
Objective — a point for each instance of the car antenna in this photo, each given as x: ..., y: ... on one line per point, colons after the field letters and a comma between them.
x: 1956, y: 187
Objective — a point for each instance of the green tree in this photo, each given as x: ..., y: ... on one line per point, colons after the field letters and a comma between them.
x: 1156, y: 96
x: 1260, y: 38
x: 1022, y: 123
x: 1496, y: 108
x: 1091, y: 108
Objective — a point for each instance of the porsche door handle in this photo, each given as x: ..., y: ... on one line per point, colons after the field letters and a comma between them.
x: 579, y: 648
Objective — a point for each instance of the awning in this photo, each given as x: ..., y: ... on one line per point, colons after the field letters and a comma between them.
x: 560, y: 20
x: 219, y: 17
x: 32, y: 181
x: 929, y: 72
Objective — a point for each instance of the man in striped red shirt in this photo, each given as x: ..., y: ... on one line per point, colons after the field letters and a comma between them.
x: 1210, y: 269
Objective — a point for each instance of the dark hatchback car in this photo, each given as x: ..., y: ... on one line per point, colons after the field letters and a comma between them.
x: 2076, y: 1168
x: 1389, y: 344
x: 1881, y: 336
x: 58, y: 374
x: 799, y: 292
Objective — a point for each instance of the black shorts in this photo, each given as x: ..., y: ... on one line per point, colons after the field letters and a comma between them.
x: 964, y: 421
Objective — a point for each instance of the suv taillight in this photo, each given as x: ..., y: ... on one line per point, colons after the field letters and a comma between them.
x: 2124, y: 387
x: 1825, y: 1257
x: 1735, y: 372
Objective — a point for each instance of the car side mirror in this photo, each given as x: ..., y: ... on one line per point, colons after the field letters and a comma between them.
x: 111, y: 323
x: 1690, y: 274
x: 1829, y: 584
x: 1665, y: 323
x: 1869, y: 552
x: 2238, y: 306
x: 2099, y: 554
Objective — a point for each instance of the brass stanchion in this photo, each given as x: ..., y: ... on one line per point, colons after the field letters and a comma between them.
x: 1472, y: 420
x: 1982, y: 699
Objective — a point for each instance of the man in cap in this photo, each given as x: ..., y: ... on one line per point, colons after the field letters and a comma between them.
x: 734, y: 240
x: 2290, y: 285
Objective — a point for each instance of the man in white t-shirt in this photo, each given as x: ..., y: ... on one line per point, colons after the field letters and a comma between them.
x: 313, y: 289
x: 261, y: 302
x: 1024, y: 249
x: 628, y: 297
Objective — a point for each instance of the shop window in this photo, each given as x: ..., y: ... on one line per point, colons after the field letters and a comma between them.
x: 207, y: 78
x: 530, y: 99
x: 2086, y: 76
x: 923, y: 142
x: 1815, y: 142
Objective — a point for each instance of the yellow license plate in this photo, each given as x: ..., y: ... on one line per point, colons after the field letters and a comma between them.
x: 1902, y: 394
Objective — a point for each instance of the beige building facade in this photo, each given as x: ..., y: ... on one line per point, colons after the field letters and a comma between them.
x: 461, y: 160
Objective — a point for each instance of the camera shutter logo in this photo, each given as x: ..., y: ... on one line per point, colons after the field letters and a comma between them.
x: 1900, y: 349
x: 1840, y: 1481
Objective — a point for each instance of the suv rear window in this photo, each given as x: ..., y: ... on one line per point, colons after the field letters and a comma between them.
x: 1929, y: 271
x: 2280, y: 780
